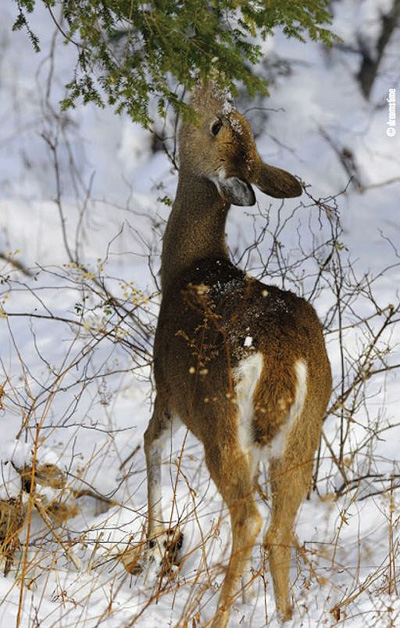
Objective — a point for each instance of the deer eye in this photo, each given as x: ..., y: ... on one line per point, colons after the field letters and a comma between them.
x: 216, y: 127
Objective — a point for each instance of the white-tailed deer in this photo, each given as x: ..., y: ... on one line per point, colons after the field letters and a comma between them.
x: 242, y: 364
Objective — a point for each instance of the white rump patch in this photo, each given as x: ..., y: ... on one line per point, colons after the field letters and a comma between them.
x: 278, y: 443
x: 247, y: 375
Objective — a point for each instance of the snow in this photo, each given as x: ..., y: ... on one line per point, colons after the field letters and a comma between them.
x: 86, y: 400
x: 10, y: 481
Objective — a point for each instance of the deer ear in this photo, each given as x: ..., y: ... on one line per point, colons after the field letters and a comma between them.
x: 235, y: 191
x: 277, y: 182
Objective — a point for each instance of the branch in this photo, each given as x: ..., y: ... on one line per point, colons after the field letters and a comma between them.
x: 370, y: 66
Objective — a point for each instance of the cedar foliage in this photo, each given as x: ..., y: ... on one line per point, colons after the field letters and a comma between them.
x: 129, y: 52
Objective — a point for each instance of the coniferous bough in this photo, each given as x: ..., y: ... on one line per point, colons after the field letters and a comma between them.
x: 128, y: 52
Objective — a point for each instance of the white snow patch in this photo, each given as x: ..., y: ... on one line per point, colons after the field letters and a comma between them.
x: 248, y: 341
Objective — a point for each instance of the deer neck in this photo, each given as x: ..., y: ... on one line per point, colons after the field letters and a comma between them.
x: 195, y: 228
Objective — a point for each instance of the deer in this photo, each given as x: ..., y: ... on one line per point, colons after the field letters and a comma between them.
x: 243, y: 365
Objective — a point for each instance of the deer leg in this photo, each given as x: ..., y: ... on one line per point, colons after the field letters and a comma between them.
x: 289, y: 478
x: 162, y: 543
x: 247, y: 585
x: 159, y: 427
x: 234, y: 482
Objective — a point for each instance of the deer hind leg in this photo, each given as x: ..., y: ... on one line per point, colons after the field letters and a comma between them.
x: 290, y: 477
x: 231, y: 471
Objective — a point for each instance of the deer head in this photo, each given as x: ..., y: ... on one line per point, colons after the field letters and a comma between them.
x: 220, y: 146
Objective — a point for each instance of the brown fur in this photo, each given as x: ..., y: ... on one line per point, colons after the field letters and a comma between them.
x: 208, y: 309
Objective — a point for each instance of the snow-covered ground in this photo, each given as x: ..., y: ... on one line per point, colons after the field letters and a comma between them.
x: 75, y: 387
